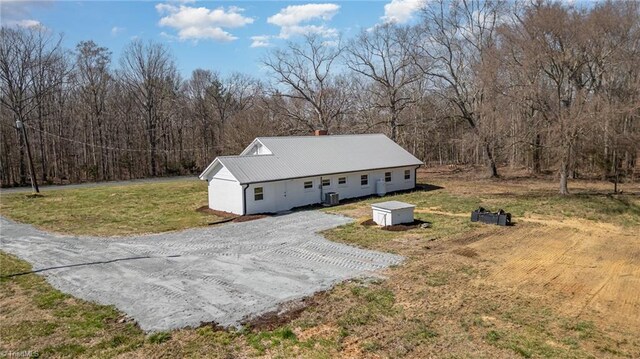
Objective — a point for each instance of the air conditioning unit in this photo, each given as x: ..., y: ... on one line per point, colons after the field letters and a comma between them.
x: 331, y: 198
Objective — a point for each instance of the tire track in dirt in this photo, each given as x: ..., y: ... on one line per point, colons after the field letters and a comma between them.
x: 588, y: 271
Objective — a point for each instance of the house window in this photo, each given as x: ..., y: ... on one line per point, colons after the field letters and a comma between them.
x: 308, y: 185
x: 326, y: 182
x: 387, y: 176
x: 407, y: 174
x: 342, y: 180
x: 258, y: 194
x: 364, y: 180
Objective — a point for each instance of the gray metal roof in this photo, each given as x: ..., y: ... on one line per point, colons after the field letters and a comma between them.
x: 391, y: 205
x: 308, y: 156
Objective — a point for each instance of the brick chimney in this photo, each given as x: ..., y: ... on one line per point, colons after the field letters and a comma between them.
x: 320, y: 132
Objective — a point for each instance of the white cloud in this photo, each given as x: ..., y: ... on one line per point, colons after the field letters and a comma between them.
x: 17, y: 13
x: 116, y: 30
x: 195, y: 23
x: 166, y: 8
x: 23, y: 23
x: 29, y: 23
x: 296, y: 14
x: 401, y: 11
x: 214, y: 33
x: 260, y: 41
x: 169, y: 37
x: 289, y: 31
x: 186, y: 16
x: 294, y: 20
x: 20, y: 9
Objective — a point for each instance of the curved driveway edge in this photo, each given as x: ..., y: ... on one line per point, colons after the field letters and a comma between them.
x: 221, y: 274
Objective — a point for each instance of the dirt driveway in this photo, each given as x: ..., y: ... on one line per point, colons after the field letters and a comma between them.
x: 220, y: 274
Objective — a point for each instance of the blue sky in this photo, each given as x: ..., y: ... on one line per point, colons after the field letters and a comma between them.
x: 225, y: 36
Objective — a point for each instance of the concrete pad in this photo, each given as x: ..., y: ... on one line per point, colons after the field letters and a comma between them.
x: 222, y: 274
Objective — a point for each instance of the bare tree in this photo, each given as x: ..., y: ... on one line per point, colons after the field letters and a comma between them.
x: 554, y: 46
x: 610, y: 40
x: 230, y: 96
x: 197, y: 90
x: 305, y: 73
x: 149, y: 71
x: 23, y: 52
x: 525, y: 91
x: 549, y: 86
x: 383, y: 56
x: 93, y: 79
x: 457, y: 36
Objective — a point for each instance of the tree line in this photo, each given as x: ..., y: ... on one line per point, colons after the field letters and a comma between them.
x: 541, y: 85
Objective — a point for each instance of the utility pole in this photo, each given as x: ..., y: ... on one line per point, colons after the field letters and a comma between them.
x: 32, y: 172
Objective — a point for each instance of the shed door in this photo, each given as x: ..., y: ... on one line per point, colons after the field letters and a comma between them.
x: 380, y: 217
x: 284, y: 202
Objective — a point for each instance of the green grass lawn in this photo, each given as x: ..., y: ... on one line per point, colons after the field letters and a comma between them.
x: 435, y: 304
x: 620, y: 209
x: 112, y: 210
x: 36, y: 317
x: 167, y: 206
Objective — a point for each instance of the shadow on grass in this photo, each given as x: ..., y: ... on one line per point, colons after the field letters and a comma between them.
x: 424, y: 187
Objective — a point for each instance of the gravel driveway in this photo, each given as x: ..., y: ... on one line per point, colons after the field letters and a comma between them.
x: 218, y: 274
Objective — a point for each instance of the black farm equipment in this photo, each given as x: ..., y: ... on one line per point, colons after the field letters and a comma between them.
x: 500, y: 218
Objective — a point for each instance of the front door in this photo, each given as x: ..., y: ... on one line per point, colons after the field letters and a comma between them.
x: 284, y: 202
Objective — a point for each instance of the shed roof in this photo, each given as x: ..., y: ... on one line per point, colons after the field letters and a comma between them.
x: 391, y: 205
x: 308, y: 156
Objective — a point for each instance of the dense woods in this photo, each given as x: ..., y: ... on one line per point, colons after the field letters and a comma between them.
x: 544, y: 86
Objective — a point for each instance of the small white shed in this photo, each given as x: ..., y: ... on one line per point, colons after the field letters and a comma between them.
x: 392, y: 212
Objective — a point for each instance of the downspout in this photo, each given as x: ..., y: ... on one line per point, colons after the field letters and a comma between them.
x: 415, y: 177
x: 244, y: 200
x: 321, y: 190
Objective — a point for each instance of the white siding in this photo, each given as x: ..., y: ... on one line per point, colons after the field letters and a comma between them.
x: 390, y: 217
x: 382, y: 217
x: 268, y: 203
x: 256, y: 148
x: 221, y: 172
x: 353, y: 188
x: 403, y: 215
x: 284, y: 195
x: 225, y: 192
x: 225, y: 195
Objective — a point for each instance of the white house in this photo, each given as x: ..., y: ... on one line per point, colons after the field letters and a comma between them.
x: 275, y: 174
